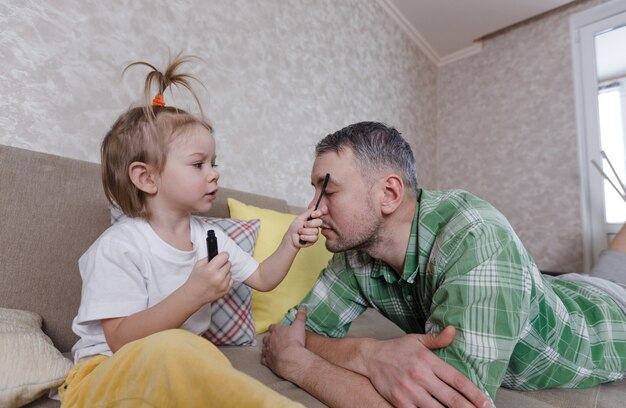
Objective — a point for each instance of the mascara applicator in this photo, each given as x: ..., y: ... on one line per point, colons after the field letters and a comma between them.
x: 317, y: 203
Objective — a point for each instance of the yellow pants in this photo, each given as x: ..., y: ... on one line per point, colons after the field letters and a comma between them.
x: 174, y: 368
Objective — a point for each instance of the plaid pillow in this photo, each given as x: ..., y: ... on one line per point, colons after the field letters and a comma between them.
x: 231, y: 316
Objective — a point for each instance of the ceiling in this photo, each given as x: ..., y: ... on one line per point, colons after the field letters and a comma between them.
x: 446, y: 30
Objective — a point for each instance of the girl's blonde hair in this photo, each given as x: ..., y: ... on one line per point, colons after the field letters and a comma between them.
x: 143, y: 134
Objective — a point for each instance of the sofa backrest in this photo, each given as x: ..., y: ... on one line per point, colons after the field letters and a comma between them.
x: 51, y: 209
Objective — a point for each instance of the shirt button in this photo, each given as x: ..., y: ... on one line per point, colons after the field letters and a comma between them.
x: 409, y: 297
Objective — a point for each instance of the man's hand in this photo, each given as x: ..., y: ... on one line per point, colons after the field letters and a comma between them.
x: 284, y: 353
x: 404, y: 371
x: 283, y: 346
x: 407, y: 373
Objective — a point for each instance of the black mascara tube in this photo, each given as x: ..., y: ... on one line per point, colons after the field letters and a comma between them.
x: 211, y: 244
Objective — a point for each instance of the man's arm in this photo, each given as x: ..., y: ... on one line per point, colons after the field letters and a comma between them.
x: 403, y: 370
x: 285, y: 354
x: 485, y: 295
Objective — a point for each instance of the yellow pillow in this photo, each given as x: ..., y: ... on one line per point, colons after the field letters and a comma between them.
x: 270, y: 307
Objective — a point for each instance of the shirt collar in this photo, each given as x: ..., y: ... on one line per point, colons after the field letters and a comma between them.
x: 411, y: 265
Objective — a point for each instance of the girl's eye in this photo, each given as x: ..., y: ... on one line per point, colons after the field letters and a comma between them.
x: 214, y: 165
x: 198, y: 165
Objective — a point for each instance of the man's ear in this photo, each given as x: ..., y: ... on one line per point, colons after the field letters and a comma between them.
x: 143, y: 177
x: 393, y: 194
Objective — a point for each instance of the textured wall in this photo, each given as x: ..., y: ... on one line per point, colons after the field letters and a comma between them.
x: 279, y: 76
x: 506, y: 130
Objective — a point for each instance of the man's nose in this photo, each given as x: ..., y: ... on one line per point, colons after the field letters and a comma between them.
x: 321, y: 205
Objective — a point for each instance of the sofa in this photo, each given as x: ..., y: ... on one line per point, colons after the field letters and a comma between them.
x: 52, y: 208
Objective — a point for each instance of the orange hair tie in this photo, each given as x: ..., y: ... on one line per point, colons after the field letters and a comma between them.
x: 158, y: 101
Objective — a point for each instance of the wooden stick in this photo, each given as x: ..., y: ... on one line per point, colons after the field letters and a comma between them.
x: 623, y: 196
x: 614, y: 172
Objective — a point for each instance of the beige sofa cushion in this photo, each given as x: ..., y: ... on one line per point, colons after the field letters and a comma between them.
x: 51, y: 208
x: 30, y: 363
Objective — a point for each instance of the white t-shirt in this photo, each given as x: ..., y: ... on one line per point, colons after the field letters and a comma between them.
x: 129, y: 269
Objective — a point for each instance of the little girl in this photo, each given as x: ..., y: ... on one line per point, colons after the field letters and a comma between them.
x: 148, y: 276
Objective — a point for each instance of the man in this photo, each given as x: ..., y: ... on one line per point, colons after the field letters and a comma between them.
x: 430, y: 260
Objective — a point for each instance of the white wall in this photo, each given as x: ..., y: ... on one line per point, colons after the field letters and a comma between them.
x: 279, y: 75
x: 282, y: 74
x: 506, y: 131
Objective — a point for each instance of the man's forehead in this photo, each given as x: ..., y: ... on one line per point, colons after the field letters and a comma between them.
x: 332, y: 158
x: 333, y: 163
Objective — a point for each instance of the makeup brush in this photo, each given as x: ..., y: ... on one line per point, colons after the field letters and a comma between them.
x: 317, y: 203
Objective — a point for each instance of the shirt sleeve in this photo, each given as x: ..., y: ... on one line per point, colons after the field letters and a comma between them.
x: 113, y: 285
x: 485, y: 295
x: 334, y: 301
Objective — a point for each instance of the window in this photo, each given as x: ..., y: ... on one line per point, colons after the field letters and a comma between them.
x: 599, y: 58
x: 611, y: 106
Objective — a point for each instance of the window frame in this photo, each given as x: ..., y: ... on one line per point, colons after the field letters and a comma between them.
x: 583, y: 28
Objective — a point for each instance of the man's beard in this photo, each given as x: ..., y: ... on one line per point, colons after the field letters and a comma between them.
x: 368, y: 236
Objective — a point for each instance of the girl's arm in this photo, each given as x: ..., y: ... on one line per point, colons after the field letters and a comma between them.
x: 273, y: 269
x: 208, y: 282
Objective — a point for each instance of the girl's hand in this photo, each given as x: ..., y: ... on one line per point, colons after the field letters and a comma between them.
x: 304, y: 230
x: 209, y: 281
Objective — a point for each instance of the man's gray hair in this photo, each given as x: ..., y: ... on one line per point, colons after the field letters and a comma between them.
x: 375, y: 147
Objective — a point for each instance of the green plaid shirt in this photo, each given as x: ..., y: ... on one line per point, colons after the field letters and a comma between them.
x: 466, y: 267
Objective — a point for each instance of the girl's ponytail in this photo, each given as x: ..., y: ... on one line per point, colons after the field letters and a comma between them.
x: 162, y: 81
